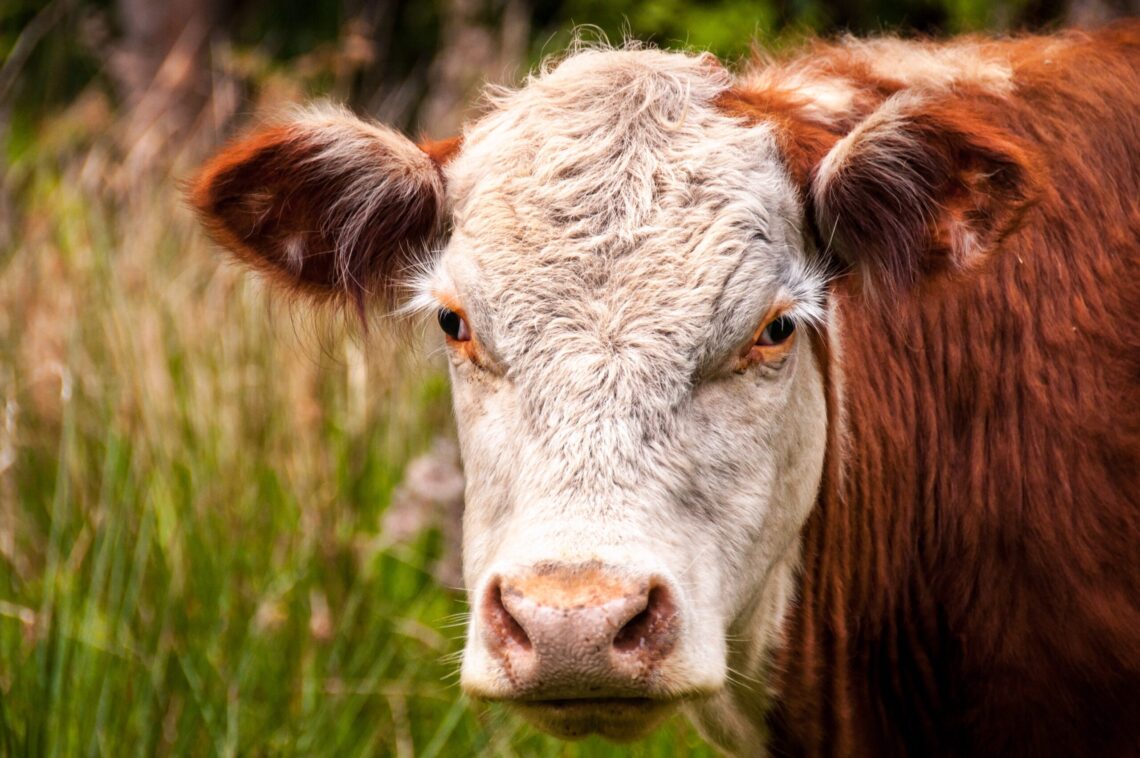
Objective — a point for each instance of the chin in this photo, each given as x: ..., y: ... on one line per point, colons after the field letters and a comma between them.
x: 616, y: 719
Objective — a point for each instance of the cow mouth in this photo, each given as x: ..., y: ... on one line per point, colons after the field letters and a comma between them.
x: 616, y: 718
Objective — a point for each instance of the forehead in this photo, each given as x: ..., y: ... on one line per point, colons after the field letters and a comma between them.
x: 614, y: 184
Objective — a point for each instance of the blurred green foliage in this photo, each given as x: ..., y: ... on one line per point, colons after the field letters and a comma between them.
x: 74, y: 53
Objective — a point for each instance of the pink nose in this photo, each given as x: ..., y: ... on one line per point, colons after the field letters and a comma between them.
x: 579, y: 631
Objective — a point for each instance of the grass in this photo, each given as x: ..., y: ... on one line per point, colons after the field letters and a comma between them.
x: 192, y: 482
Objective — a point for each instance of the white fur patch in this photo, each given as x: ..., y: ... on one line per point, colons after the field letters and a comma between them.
x: 617, y: 240
x: 834, y: 97
x: 934, y: 66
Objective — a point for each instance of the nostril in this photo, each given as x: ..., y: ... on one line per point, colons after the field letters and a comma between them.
x: 503, y: 626
x: 653, y: 628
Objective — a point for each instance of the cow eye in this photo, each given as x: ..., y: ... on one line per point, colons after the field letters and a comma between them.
x: 777, y: 332
x: 453, y: 325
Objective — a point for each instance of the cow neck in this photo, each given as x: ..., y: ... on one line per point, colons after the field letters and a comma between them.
x: 854, y: 565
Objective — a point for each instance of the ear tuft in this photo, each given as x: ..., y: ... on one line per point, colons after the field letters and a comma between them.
x: 919, y: 188
x: 325, y: 204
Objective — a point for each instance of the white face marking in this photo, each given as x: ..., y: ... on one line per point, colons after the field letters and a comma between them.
x: 617, y: 242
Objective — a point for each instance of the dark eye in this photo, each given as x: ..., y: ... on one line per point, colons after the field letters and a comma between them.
x: 778, y: 331
x: 453, y: 325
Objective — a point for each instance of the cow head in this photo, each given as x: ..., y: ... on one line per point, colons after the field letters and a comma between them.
x: 620, y: 257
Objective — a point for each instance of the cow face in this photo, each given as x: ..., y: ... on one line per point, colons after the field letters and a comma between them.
x: 630, y: 312
x: 632, y: 318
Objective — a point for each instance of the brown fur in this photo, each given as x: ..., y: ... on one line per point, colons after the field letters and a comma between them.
x: 441, y: 151
x: 280, y: 186
x: 962, y: 179
x: 971, y: 579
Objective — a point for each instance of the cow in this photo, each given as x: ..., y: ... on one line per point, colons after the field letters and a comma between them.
x: 804, y: 397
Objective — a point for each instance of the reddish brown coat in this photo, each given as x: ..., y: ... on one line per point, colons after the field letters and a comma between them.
x: 971, y: 578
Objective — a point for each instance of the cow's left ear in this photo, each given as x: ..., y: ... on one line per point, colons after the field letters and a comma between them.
x: 917, y: 188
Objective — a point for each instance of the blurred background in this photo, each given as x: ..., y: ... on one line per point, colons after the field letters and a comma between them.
x: 229, y: 525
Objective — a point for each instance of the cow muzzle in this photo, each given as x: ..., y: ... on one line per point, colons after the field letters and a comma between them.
x: 582, y: 647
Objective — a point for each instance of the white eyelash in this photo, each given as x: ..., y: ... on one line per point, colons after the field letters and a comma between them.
x: 423, y: 279
x: 806, y: 285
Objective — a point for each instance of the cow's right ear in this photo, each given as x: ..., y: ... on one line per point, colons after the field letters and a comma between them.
x: 326, y: 204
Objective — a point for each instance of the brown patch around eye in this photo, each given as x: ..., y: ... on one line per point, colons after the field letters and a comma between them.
x: 467, y: 348
x: 760, y: 348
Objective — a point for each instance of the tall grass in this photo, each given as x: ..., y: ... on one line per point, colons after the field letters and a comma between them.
x: 192, y: 482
